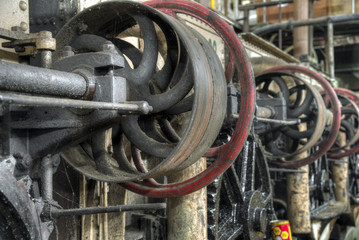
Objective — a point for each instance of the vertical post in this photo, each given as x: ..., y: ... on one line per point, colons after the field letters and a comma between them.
x: 264, y: 13
x: 280, y: 30
x: 310, y: 28
x: 236, y: 10
x: 298, y: 183
x: 340, y: 174
x: 298, y: 200
x: 187, y: 215
x: 46, y: 178
x: 246, y: 20
x: 330, y: 51
x: 300, y: 34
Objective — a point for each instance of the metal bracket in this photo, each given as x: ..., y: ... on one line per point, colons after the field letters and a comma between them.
x: 28, y: 44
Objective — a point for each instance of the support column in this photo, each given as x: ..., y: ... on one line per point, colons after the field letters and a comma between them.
x: 340, y: 174
x: 298, y: 200
x: 300, y: 34
x: 298, y: 183
x: 187, y: 215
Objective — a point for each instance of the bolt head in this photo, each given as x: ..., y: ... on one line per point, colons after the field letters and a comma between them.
x: 108, y: 47
x: 24, y: 26
x: 23, y: 5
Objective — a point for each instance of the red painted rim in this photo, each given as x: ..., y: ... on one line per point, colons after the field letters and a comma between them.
x: 226, y: 154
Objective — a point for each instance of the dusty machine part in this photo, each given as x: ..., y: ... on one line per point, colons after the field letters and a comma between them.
x: 349, y: 123
x: 237, y: 65
x: 340, y: 175
x: 260, y: 64
x: 19, y: 215
x: 13, y: 15
x: 258, y: 46
x: 187, y: 215
x: 240, y: 201
x: 298, y: 199
x: 325, y: 144
x: 291, y: 103
x: 208, y: 85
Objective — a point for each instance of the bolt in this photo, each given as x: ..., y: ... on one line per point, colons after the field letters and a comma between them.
x: 38, y: 21
x: 23, y: 5
x: 67, y: 52
x: 24, y: 26
x: 56, y: 160
x: 108, y: 47
x: 45, y: 21
x: 23, y: 161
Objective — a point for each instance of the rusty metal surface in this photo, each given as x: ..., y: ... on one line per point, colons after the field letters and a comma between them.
x: 326, y: 143
x: 187, y: 215
x: 298, y: 200
x: 19, y: 215
x: 257, y: 44
x: 340, y: 175
x: 238, y: 63
x: 288, y: 120
x: 208, y: 91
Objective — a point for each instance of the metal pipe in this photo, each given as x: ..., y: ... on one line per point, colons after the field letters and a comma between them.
x: 246, y: 20
x: 282, y: 122
x: 310, y: 29
x: 29, y: 79
x: 300, y: 35
x: 46, y: 59
x: 25, y: 100
x: 280, y: 30
x: 46, y: 178
x: 264, y: 13
x: 309, y: 22
x: 353, y: 6
x: 263, y: 4
x: 236, y: 9
x: 95, y: 210
x: 330, y: 51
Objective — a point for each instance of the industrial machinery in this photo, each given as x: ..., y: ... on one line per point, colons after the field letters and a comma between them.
x: 131, y: 93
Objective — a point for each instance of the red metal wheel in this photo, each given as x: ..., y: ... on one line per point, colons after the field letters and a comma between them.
x: 238, y: 62
x: 355, y: 100
x: 325, y: 144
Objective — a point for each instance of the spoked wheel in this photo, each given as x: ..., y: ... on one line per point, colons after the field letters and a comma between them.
x: 324, y: 145
x: 301, y: 103
x: 187, y: 85
x: 349, y: 124
x: 240, y: 201
x: 353, y: 178
x: 321, y: 189
x: 236, y: 65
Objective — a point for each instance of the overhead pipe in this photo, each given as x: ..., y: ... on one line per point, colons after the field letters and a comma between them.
x: 308, y: 22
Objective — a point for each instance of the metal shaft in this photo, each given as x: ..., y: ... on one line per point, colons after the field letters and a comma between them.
x: 96, y: 210
x: 330, y: 51
x: 46, y: 178
x: 25, y: 100
x: 29, y: 79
